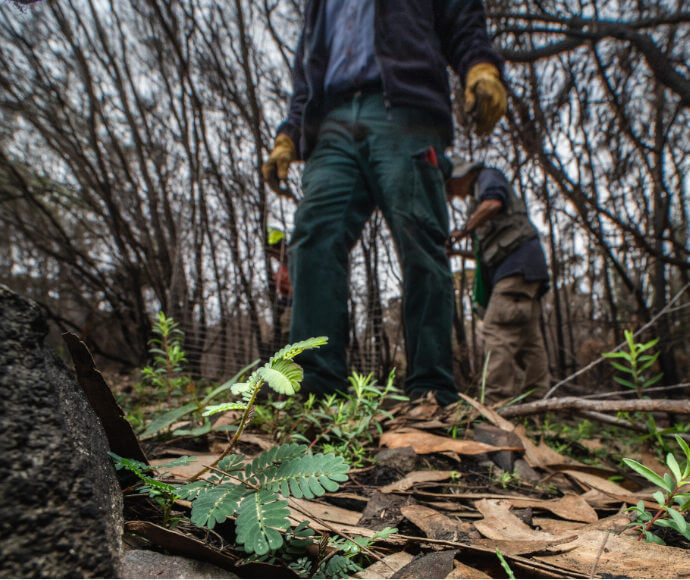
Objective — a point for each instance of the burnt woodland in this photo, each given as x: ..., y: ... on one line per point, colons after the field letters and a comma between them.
x: 134, y: 212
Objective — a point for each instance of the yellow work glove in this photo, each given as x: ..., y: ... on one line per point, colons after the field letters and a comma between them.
x: 276, y: 168
x: 485, y: 95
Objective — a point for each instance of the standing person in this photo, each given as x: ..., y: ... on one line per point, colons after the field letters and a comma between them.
x: 512, y: 268
x: 371, y: 115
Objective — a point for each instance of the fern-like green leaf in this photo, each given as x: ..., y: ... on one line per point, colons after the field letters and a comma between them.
x: 192, y: 490
x: 213, y: 409
x: 283, y: 376
x: 239, y: 388
x: 260, y: 520
x: 217, y: 503
x: 292, y: 350
x: 231, y: 464
x: 139, y: 468
x: 273, y: 456
x: 337, y: 567
x: 308, y: 476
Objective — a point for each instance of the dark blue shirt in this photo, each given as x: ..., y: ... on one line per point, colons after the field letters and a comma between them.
x: 349, y: 31
x: 529, y: 259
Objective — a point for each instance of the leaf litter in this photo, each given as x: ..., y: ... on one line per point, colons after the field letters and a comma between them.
x: 456, y: 508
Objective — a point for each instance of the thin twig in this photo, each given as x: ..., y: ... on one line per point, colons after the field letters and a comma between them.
x: 615, y: 421
x: 244, y: 421
x: 629, y: 392
x: 596, y: 560
x: 591, y: 365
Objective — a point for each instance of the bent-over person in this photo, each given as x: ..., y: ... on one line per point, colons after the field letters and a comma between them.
x: 514, y: 273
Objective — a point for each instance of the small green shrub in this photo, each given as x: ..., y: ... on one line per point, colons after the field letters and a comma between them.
x: 345, y: 420
x: 670, y: 493
x: 166, y: 376
x: 255, y: 491
x: 637, y: 368
x: 165, y: 494
x: 165, y: 371
x: 637, y: 364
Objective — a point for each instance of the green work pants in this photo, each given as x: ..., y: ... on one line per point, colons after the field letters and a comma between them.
x: 367, y: 157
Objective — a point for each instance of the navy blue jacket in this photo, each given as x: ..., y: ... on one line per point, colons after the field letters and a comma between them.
x: 415, y: 42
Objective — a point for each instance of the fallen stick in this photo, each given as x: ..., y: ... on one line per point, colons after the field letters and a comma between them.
x: 680, y: 406
x: 615, y: 421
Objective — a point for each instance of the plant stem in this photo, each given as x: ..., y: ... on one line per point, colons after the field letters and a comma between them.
x: 238, y: 433
x: 168, y: 367
x: 658, y: 514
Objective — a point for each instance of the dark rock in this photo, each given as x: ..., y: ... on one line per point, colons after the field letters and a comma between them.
x: 61, y: 510
x: 383, y: 510
x: 432, y: 565
x: 403, y: 459
x: 525, y: 472
x: 485, y: 433
x: 148, y: 564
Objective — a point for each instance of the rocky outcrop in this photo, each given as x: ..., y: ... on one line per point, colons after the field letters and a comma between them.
x: 61, y: 509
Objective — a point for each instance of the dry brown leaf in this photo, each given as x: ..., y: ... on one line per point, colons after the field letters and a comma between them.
x: 617, y: 523
x: 261, y: 441
x: 326, y: 512
x: 434, y: 524
x: 569, y: 507
x: 424, y: 411
x: 264, y: 443
x: 598, y: 552
x: 187, y: 471
x: 539, y: 455
x: 522, y: 547
x: 423, y: 442
x: 607, y: 487
x: 489, y: 413
x: 387, y: 567
x: 599, y: 500
x: 500, y: 524
x: 649, y: 459
x: 415, y: 477
x: 593, y: 444
x: 464, y: 571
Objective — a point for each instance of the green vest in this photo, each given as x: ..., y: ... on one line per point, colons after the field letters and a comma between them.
x: 505, y: 232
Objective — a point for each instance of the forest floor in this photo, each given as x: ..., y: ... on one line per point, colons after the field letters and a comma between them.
x: 470, y: 493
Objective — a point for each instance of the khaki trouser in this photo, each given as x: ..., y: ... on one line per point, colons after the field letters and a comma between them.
x: 512, y: 335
